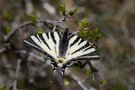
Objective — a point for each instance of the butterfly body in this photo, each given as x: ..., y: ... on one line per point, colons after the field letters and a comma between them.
x: 62, y: 49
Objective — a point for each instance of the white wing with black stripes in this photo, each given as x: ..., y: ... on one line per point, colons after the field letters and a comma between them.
x: 62, y: 49
x: 47, y: 43
x: 80, y: 49
x: 73, y: 48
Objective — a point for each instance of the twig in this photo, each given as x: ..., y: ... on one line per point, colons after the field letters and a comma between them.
x: 54, y: 22
x: 48, y: 26
x: 7, y: 65
x: 16, y: 74
x: 21, y: 26
x: 1, y: 35
x: 30, y: 53
x: 79, y: 82
x: 2, y: 49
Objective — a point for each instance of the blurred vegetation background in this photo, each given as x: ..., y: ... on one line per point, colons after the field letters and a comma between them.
x: 115, y: 20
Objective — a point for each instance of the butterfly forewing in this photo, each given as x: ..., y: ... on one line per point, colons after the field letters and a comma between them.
x: 46, y: 42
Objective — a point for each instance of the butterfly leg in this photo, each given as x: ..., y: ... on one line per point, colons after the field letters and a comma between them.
x: 93, y: 69
x: 82, y: 66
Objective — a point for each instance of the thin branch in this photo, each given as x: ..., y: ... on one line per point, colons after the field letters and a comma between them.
x: 54, y: 22
x: 16, y: 74
x: 22, y: 26
x: 2, y: 49
x: 7, y: 65
x: 1, y: 35
x: 48, y: 26
x: 79, y: 82
x: 31, y: 54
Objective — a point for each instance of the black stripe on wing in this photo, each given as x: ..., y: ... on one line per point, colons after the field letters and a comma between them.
x: 45, y: 42
x: 75, y: 41
x: 53, y: 38
x: 30, y: 43
x: 47, y: 34
x: 64, y: 43
x: 81, y: 41
x: 82, y: 48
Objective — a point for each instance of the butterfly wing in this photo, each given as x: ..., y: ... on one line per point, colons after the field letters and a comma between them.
x: 79, y: 49
x: 47, y: 43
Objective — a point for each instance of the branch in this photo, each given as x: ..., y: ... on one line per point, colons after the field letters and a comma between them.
x: 16, y: 74
x: 79, y: 83
x: 54, y: 22
x: 21, y: 26
x: 2, y: 49
x: 7, y: 65
x: 30, y: 53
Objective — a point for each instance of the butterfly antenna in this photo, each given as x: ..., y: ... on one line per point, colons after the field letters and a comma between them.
x: 63, y: 76
x: 53, y: 71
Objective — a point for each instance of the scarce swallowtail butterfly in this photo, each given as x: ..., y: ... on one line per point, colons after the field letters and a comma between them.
x: 62, y: 49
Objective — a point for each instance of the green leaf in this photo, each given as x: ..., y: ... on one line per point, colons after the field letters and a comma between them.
x: 4, y: 88
x: 95, y: 33
x: 83, y: 23
x: 21, y: 82
x: 40, y: 30
x: 7, y: 15
x: 83, y: 32
x: 72, y: 12
x: 63, y: 9
x: 33, y: 18
x: 85, y: 29
x: 66, y: 82
x: 1, y: 87
x: 88, y: 72
x: 8, y: 29
x: 98, y: 36
x: 102, y: 82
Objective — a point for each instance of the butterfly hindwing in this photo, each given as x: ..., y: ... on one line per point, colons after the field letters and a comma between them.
x: 79, y: 49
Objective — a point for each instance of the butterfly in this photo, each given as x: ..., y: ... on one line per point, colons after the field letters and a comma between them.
x: 63, y: 49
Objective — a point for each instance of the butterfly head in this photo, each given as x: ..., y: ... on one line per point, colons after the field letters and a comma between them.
x: 60, y: 61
